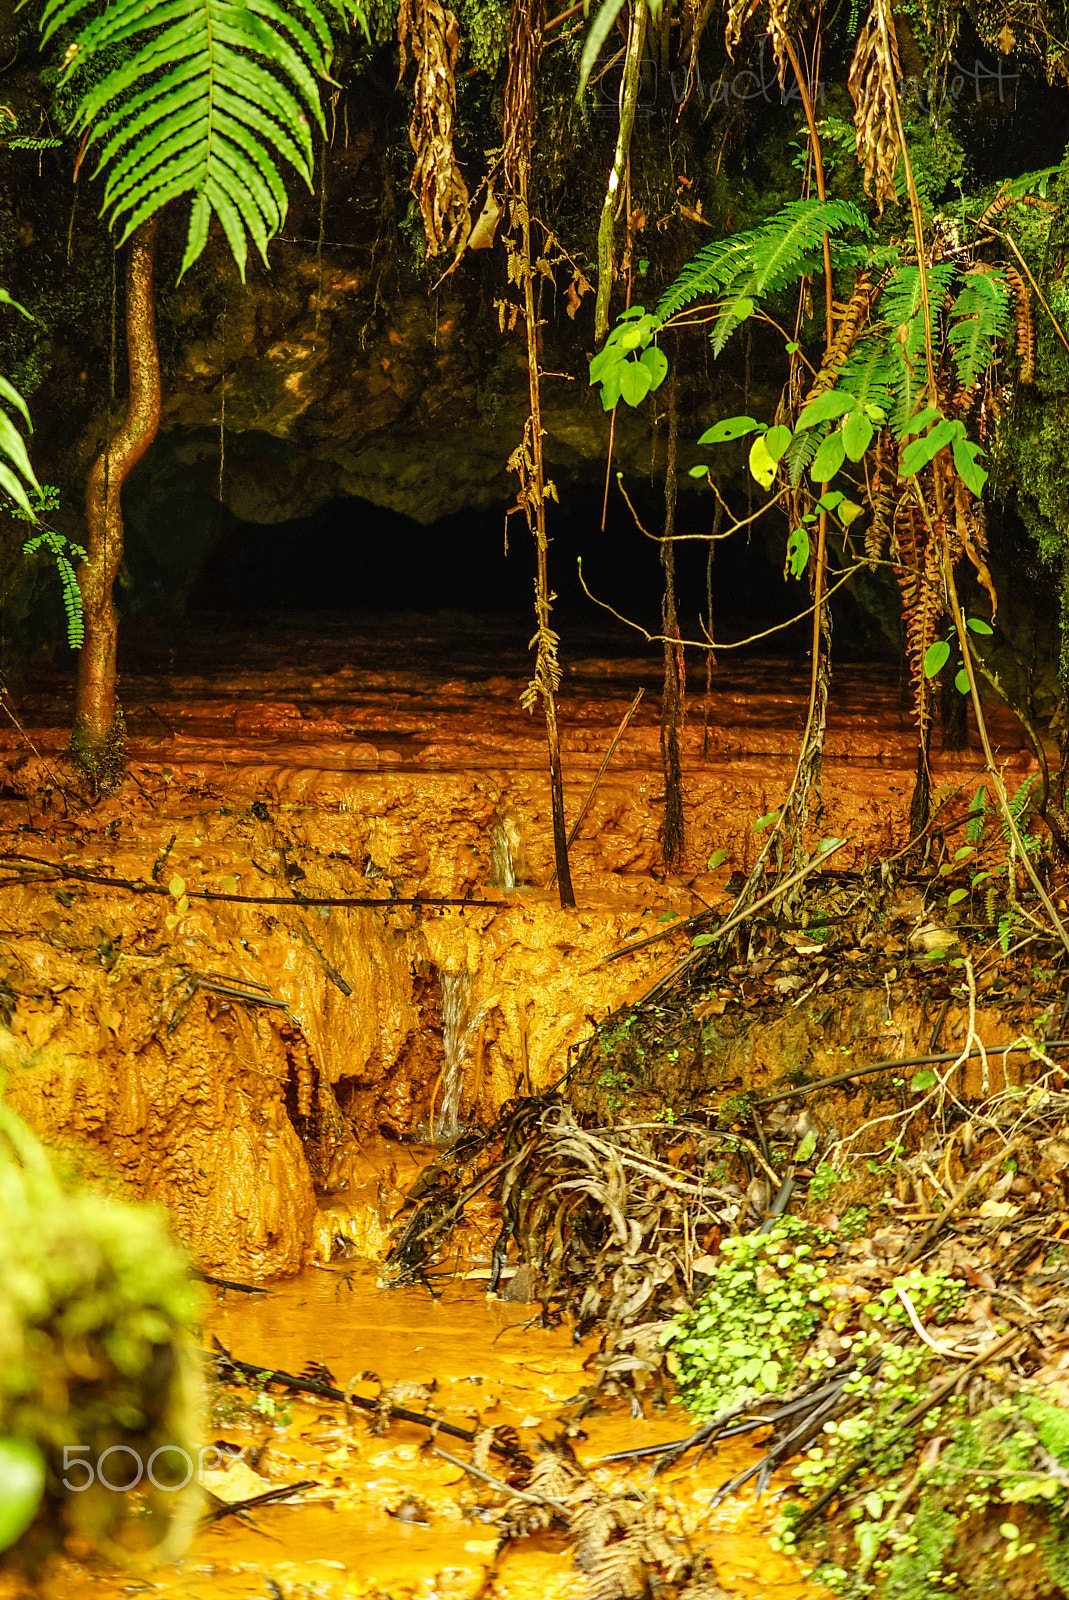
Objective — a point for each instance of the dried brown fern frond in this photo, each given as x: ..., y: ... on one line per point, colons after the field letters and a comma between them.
x: 1026, y: 326
x: 874, y: 74
x: 848, y: 327
x: 885, y: 494
x: 970, y: 530
x: 920, y: 585
x: 737, y: 16
x: 430, y: 32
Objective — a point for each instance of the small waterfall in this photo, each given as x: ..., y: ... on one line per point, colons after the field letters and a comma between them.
x: 459, y: 1022
x: 502, y: 868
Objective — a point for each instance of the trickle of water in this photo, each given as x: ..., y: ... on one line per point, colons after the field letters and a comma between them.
x: 502, y: 868
x: 459, y: 1022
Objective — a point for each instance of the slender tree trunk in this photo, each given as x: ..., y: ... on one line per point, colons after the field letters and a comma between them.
x: 97, y: 740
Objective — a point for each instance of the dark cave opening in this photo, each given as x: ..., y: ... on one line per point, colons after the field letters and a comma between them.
x: 351, y: 555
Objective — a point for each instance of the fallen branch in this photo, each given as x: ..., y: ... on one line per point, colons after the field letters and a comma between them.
x: 326, y: 1391
x: 139, y: 886
x: 905, y: 1061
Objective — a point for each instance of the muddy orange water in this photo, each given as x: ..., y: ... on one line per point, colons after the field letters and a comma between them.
x: 340, y: 1539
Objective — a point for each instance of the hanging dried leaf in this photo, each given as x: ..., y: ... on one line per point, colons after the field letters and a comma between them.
x: 874, y: 74
x: 739, y: 13
x: 430, y: 32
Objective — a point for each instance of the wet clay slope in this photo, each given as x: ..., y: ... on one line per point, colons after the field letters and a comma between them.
x: 226, y: 1058
x: 221, y: 1058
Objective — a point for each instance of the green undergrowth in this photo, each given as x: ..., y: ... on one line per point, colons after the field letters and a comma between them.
x: 969, y: 1497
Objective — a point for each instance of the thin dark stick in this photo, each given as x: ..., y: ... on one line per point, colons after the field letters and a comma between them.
x: 613, y: 742
x: 139, y: 886
x: 907, y: 1061
x: 328, y: 1392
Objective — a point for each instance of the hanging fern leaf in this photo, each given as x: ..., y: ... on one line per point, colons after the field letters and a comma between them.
x: 980, y: 316
x: 869, y: 373
x: 206, y: 99
x: 16, y: 473
x: 900, y: 305
x: 756, y: 263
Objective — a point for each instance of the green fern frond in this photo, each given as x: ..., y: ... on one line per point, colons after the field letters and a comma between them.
x: 800, y: 452
x: 17, y: 477
x: 61, y: 550
x: 868, y: 373
x: 909, y: 386
x: 207, y: 98
x: 980, y: 316
x: 900, y: 304
x: 756, y: 263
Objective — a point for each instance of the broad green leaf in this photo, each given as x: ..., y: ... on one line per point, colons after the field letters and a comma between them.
x: 961, y: 682
x: 797, y: 552
x: 765, y: 821
x: 806, y: 1148
x: 925, y: 449
x: 923, y: 1080
x: 849, y: 511
x: 777, y: 440
x: 727, y: 430
x: 22, y: 1483
x: 967, y: 464
x: 918, y: 423
x: 857, y: 435
x: 610, y: 384
x: 957, y: 895
x: 608, y: 356
x: 697, y: 472
x: 655, y: 359
x: 635, y: 381
x: 936, y: 657
x: 833, y: 403
x: 829, y: 458
x: 701, y: 939
x: 717, y: 859
x: 978, y: 625
x: 762, y: 466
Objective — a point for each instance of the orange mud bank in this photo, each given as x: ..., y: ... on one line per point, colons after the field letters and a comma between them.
x: 227, y: 1059
x: 385, y: 1516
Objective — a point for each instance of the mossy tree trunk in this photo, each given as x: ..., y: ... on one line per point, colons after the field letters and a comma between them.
x: 97, y: 743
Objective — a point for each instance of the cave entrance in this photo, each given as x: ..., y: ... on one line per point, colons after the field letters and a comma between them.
x: 351, y: 555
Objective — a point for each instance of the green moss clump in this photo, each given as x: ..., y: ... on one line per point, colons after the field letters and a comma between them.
x: 96, y: 1356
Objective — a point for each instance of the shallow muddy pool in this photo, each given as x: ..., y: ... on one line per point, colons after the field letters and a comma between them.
x: 386, y: 1517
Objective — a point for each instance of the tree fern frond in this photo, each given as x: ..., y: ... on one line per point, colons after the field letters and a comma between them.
x: 764, y: 259
x: 979, y: 316
x: 206, y: 100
